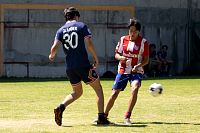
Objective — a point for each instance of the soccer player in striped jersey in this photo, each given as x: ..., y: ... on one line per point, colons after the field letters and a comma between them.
x: 73, y: 36
x: 132, y: 52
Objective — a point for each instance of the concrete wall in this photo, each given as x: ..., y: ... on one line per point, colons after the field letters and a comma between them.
x: 163, y: 22
x: 136, y: 3
x: 29, y: 35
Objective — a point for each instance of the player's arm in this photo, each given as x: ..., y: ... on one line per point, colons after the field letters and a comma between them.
x: 119, y: 51
x: 91, y: 49
x: 53, y: 50
x: 120, y: 57
x: 144, y: 62
x: 145, y: 58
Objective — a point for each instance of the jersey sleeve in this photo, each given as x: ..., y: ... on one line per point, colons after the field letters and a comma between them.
x: 146, y: 49
x: 119, y: 47
x: 86, y: 31
x: 59, y: 35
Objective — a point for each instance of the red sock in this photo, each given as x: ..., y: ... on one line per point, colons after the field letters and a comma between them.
x: 127, y: 115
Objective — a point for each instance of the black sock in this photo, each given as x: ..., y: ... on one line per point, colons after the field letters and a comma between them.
x: 62, y: 107
x: 101, y: 116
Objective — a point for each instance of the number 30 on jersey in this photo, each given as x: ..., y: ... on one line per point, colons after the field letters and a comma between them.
x: 68, y: 38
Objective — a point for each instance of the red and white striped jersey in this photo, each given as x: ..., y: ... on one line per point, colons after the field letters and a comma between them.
x: 135, y: 51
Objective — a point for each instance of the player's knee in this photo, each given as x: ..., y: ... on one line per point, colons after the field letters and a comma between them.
x: 135, y: 89
x: 114, y: 94
x: 96, y: 84
x: 136, y: 84
x: 77, y: 94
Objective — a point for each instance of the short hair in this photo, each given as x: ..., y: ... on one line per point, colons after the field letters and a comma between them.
x: 134, y: 22
x: 70, y: 13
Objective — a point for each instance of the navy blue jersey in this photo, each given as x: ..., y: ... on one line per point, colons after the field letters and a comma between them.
x: 72, y: 36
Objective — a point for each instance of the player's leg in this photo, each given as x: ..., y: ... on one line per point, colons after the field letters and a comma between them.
x: 75, y: 81
x: 89, y: 76
x: 100, y: 101
x: 100, y: 96
x: 119, y: 85
x: 76, y: 93
x: 111, y: 101
x: 135, y: 85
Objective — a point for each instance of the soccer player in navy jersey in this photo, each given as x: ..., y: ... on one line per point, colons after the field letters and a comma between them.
x: 132, y: 52
x: 73, y: 36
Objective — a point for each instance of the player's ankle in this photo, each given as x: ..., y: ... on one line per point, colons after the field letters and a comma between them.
x: 127, y: 115
x: 62, y: 107
x: 101, y: 116
x: 105, y: 115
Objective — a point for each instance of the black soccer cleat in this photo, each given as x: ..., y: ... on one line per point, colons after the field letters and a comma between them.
x: 58, y: 116
x: 103, y: 121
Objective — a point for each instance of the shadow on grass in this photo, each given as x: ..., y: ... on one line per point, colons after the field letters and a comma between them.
x: 168, y: 123
x: 66, y: 126
x: 145, y: 124
x: 121, y: 125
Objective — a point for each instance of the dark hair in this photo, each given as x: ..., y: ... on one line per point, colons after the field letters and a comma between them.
x: 134, y: 22
x: 70, y: 13
x: 164, y: 46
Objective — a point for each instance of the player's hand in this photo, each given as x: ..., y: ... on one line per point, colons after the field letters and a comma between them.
x: 134, y: 69
x: 123, y: 59
x: 95, y: 64
x: 51, y: 57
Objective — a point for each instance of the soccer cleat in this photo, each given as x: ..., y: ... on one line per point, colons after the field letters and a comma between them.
x: 95, y: 121
x: 58, y: 116
x: 104, y: 121
x: 127, y: 121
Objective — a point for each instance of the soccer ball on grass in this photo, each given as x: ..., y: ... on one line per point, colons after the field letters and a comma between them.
x: 155, y: 89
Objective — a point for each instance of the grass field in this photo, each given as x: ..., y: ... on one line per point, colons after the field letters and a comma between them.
x: 27, y: 107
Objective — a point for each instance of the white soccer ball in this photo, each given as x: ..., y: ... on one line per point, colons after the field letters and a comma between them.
x: 155, y: 89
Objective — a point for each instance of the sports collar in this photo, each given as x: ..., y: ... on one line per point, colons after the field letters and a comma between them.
x: 70, y: 21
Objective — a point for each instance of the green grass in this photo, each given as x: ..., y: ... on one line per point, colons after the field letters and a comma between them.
x: 27, y: 107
